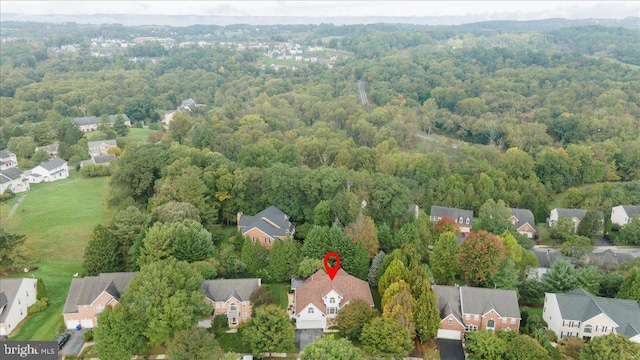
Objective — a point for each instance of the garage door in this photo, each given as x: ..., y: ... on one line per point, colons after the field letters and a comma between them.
x: 71, y: 324
x: 449, y: 334
x: 310, y: 324
x: 86, y: 323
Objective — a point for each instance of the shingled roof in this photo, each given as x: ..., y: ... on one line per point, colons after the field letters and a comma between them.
x: 11, y: 174
x: 524, y: 216
x: 580, y: 305
x: 271, y: 221
x: 93, y: 120
x: 83, y: 291
x: 442, y: 211
x: 53, y: 164
x: 224, y: 289
x: 631, y: 210
x: 480, y: 300
x: 319, y: 284
x: 575, y: 213
x: 448, y: 301
x: 5, y: 154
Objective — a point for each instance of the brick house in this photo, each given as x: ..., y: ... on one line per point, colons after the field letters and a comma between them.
x: 230, y: 297
x: 89, y: 296
x: 524, y: 221
x: 318, y: 300
x: 464, y: 309
x: 266, y: 226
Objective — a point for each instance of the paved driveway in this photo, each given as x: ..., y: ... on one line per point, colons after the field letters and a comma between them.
x: 74, y: 345
x: 306, y: 336
x: 451, y: 349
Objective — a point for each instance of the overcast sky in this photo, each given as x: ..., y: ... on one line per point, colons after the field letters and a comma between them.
x: 516, y: 10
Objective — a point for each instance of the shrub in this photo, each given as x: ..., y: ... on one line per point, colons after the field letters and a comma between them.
x: 42, y: 292
x: 6, y: 196
x: 92, y: 170
x: 220, y: 324
x: 88, y: 335
x: 38, y: 306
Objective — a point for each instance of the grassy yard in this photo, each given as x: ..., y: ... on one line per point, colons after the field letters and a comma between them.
x: 138, y: 135
x: 57, y: 219
x: 280, y: 294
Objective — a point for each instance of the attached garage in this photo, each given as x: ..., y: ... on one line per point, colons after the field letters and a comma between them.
x: 449, y: 334
x: 86, y: 323
x: 310, y: 324
x: 71, y: 324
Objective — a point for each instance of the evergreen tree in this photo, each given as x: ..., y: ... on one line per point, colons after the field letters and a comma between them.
x: 507, y: 277
x: 589, y: 279
x: 254, y: 256
x: 102, y: 253
x: 630, y: 287
x: 396, y: 271
x: 283, y: 260
x: 445, y: 260
x: 372, y: 277
x: 562, y: 277
x: 590, y: 225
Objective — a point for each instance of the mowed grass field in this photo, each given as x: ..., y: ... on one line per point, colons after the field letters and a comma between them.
x: 57, y: 219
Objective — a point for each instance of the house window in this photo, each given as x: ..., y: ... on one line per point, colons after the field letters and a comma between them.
x: 467, y: 221
x: 605, y: 328
x: 267, y: 240
x: 491, y: 324
x: 471, y: 328
x: 310, y: 311
x: 513, y: 320
x: 467, y: 317
x: 450, y: 322
x: 332, y: 310
x: 233, y: 307
x: 244, y: 315
x: 461, y: 220
x: 504, y: 320
x: 476, y: 317
x: 588, y: 329
x: 27, y: 294
x: 18, y: 301
x: 20, y: 312
x: 332, y: 300
x: 100, y: 308
x: 255, y: 239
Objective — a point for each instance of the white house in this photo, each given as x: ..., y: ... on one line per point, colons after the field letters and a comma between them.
x: 13, y: 179
x: 623, y: 214
x: 52, y: 170
x: 7, y: 160
x: 16, y: 295
x: 582, y: 315
x: 319, y: 299
x: 91, y: 123
x: 576, y: 215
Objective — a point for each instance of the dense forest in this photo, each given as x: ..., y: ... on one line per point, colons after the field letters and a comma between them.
x: 479, y: 117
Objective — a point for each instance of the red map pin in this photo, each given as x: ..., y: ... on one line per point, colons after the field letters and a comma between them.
x: 332, y: 271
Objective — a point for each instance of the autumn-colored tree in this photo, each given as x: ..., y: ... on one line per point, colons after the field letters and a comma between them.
x: 364, y: 229
x: 481, y: 256
x: 446, y: 224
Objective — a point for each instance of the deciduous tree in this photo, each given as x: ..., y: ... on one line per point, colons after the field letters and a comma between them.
x: 481, y: 255
x: 353, y: 316
x: 384, y: 337
x: 590, y: 225
x: 329, y: 348
x: 445, y: 259
x: 610, y: 347
x: 119, y: 334
x: 363, y: 229
x: 270, y: 330
x: 195, y: 343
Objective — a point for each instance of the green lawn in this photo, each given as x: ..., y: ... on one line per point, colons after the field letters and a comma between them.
x: 233, y: 342
x: 280, y: 291
x: 57, y: 219
x: 138, y: 135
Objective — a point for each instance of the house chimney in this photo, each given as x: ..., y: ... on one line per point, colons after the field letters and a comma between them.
x: 238, y: 216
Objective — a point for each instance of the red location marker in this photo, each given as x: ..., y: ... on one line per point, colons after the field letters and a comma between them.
x: 332, y: 271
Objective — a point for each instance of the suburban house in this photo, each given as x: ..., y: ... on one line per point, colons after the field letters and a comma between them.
x: 465, y: 309
x: 52, y: 170
x: 7, y: 160
x: 100, y: 160
x: 13, y: 179
x: 186, y: 105
x: 16, y: 295
x: 230, y: 297
x: 464, y: 218
x: 524, y: 221
x: 580, y: 314
x: 266, y: 226
x: 101, y: 147
x: 88, y: 297
x: 575, y: 215
x: 546, y: 258
x: 51, y: 149
x: 623, y: 214
x: 91, y: 123
x: 319, y: 299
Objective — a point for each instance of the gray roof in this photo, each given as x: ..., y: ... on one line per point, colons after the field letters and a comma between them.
x: 580, y: 305
x: 93, y: 120
x: 575, y: 213
x: 49, y: 148
x: 631, y: 210
x: 546, y: 257
x: 448, y: 301
x: 85, y: 290
x: 441, y: 211
x: 11, y: 173
x: 224, y: 289
x: 4, y: 154
x: 53, y: 163
x: 103, y: 159
x: 10, y: 289
x: 95, y: 144
x: 480, y: 301
x: 272, y: 221
x: 524, y: 216
x: 607, y: 260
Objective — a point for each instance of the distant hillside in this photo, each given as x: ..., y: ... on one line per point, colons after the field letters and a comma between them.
x: 458, y: 23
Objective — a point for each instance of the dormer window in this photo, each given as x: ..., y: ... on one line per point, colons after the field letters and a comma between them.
x: 310, y: 310
x: 461, y: 220
x: 467, y: 221
x: 332, y: 300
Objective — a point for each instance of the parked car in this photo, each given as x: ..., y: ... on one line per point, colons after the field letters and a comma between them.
x: 62, y: 340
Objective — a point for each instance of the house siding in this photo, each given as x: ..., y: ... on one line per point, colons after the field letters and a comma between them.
x: 25, y: 297
x: 243, y: 310
x: 261, y: 237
